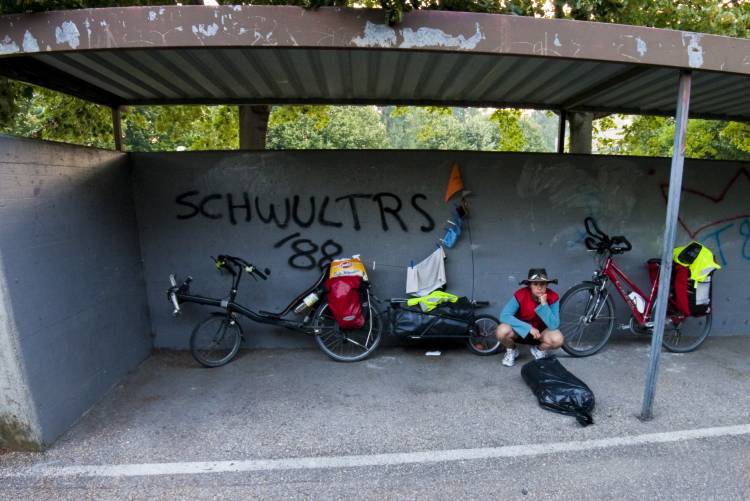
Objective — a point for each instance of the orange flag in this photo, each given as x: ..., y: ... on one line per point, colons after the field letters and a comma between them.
x: 455, y: 183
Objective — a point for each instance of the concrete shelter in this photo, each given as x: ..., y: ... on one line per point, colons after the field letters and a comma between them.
x: 88, y: 237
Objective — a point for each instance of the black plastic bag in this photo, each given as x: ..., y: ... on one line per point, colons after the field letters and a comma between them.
x: 558, y: 390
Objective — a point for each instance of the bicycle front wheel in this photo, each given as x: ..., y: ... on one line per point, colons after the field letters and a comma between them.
x: 587, y: 318
x: 347, y: 345
x: 216, y: 340
x: 684, y: 334
x: 482, y: 339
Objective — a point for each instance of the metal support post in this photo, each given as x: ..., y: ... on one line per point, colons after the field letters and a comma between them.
x: 561, y: 132
x: 670, y: 230
x: 117, y: 127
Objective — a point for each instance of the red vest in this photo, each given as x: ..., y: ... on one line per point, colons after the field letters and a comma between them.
x: 527, y: 307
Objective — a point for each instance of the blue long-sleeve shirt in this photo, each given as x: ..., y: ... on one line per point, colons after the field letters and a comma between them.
x: 550, y: 315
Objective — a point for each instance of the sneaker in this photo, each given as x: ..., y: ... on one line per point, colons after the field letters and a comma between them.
x: 509, y: 360
x: 538, y: 354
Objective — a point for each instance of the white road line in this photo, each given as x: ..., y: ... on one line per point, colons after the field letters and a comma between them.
x: 512, y: 451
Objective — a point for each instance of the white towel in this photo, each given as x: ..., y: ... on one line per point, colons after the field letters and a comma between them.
x: 427, y: 275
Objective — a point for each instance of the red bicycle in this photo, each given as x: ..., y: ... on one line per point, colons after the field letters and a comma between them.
x: 587, y: 312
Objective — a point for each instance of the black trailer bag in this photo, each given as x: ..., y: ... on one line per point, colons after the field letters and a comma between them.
x: 449, y: 319
x: 558, y: 390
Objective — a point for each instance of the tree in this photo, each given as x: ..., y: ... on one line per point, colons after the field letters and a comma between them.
x: 654, y: 136
x: 331, y: 127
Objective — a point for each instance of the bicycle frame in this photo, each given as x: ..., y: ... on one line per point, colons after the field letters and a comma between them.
x: 260, y: 316
x: 611, y: 271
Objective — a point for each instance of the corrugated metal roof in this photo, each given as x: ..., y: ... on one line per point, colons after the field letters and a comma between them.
x: 195, y: 54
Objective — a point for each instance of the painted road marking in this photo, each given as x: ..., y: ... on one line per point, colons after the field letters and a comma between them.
x: 512, y: 451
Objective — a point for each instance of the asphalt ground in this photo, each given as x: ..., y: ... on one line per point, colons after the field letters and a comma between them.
x: 283, y: 405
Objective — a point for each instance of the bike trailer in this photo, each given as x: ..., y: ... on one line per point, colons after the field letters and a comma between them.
x: 558, y: 390
x: 447, y: 319
x: 345, y: 301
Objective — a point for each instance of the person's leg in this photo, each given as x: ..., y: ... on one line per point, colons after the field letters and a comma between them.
x: 504, y: 334
x: 551, y: 340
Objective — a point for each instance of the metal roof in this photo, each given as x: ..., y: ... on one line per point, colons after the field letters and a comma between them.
x: 275, y: 54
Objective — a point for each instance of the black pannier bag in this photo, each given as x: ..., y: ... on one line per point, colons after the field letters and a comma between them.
x: 446, y: 320
x: 558, y: 390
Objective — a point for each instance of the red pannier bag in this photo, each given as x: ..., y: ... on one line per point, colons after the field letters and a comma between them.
x: 683, y: 292
x: 344, y: 301
x: 681, y: 287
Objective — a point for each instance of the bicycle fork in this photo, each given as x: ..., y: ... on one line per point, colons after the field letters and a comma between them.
x: 598, y: 299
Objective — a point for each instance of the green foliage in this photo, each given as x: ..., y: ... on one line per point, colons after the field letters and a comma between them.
x: 738, y: 135
x: 540, y: 131
x: 440, y: 128
x: 345, y: 127
x: 511, y: 133
x: 167, y: 128
x: 45, y: 114
x: 711, y: 139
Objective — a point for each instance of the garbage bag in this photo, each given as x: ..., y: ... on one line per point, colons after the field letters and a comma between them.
x: 558, y: 390
x: 344, y: 301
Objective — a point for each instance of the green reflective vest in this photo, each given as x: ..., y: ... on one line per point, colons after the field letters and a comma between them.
x: 432, y: 300
x: 698, y: 258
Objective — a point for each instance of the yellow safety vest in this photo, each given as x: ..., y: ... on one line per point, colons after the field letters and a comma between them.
x: 703, y: 264
x: 432, y: 300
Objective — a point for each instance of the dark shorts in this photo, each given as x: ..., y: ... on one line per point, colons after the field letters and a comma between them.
x: 526, y: 340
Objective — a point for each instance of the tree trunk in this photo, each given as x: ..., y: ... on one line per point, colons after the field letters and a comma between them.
x: 253, y: 126
x: 581, y: 125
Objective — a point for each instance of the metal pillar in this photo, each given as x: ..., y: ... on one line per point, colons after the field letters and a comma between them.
x: 561, y: 132
x: 673, y: 210
x: 117, y: 127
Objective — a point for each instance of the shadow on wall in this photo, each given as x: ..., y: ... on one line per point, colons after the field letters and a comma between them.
x: 71, y: 259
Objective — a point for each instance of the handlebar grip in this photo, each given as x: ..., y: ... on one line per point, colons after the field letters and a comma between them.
x: 260, y: 273
x: 590, y: 223
x: 621, y: 240
x: 590, y: 243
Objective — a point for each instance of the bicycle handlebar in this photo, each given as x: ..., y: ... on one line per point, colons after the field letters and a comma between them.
x: 221, y: 263
x: 600, y: 242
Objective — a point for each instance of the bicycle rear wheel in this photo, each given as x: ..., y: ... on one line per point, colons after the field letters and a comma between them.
x: 587, y: 318
x: 482, y: 339
x: 216, y: 340
x: 347, y: 345
x: 684, y: 334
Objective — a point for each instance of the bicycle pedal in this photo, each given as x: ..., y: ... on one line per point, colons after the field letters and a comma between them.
x: 623, y: 327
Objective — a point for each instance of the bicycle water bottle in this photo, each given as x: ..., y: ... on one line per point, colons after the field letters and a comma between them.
x: 640, y: 303
x: 306, y: 303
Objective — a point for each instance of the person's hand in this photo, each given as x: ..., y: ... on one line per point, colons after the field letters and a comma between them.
x: 543, y: 299
x: 535, y: 333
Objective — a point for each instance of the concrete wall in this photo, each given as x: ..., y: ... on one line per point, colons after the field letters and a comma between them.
x: 73, y: 318
x: 527, y: 210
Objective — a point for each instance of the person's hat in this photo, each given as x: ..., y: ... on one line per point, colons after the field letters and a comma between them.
x: 537, y: 275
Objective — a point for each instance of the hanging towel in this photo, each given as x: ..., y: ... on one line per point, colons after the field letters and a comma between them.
x: 425, y: 277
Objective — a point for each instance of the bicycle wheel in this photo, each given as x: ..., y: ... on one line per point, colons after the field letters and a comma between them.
x: 684, y: 334
x: 587, y: 319
x: 347, y: 345
x: 216, y: 340
x: 482, y: 339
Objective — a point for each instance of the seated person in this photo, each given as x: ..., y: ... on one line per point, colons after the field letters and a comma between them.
x: 531, y: 316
